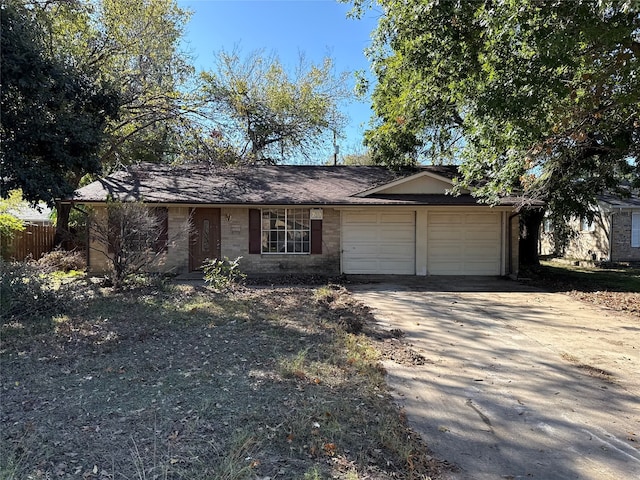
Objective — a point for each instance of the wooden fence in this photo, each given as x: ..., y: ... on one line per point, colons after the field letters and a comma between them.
x: 33, y: 241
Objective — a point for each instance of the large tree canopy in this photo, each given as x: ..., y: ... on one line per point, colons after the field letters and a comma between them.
x: 53, y: 112
x: 90, y: 85
x: 136, y: 47
x: 534, y: 96
x: 270, y: 113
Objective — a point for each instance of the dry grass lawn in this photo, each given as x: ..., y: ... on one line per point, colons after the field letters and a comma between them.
x: 181, y: 382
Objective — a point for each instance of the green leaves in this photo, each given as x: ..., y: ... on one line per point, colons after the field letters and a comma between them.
x: 534, y: 96
x: 272, y: 113
x: 53, y: 112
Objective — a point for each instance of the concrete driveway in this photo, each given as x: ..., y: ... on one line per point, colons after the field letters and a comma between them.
x: 517, y: 383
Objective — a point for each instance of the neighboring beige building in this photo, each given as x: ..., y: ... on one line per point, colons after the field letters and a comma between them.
x: 316, y: 219
x: 614, y: 235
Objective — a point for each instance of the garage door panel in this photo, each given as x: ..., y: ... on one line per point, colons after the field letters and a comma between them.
x: 463, y: 244
x: 444, y: 219
x: 489, y: 251
x: 446, y: 268
x: 396, y: 237
x: 396, y: 218
x: 447, y: 250
x: 383, y: 244
x: 363, y: 250
x: 361, y: 234
x: 449, y: 234
x: 355, y: 218
x: 393, y: 253
x: 479, y: 218
x: 480, y: 236
x: 396, y: 267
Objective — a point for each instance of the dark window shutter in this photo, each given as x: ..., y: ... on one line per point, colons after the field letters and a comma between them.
x: 316, y: 237
x: 255, y: 241
x: 112, y: 229
x: 162, y: 241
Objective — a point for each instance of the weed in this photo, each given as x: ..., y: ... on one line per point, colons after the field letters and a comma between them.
x: 312, y: 474
x: 239, y: 462
x: 226, y: 386
x: 294, y: 367
x: 223, y: 274
x: 155, y: 470
x: 28, y: 299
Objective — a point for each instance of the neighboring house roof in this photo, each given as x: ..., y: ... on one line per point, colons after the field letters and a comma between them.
x: 614, y: 201
x: 27, y: 213
x: 268, y: 185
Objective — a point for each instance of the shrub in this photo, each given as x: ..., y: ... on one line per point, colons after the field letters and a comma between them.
x: 223, y: 274
x: 26, y: 295
x: 62, y: 260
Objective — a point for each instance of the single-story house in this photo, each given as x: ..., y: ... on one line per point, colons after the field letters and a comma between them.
x: 613, y: 235
x: 318, y: 219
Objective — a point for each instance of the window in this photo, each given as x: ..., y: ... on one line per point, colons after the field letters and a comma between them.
x: 547, y: 225
x: 635, y: 229
x: 586, y: 225
x: 286, y: 230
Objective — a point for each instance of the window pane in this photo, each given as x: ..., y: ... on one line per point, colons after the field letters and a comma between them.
x: 205, y: 236
x: 286, y: 231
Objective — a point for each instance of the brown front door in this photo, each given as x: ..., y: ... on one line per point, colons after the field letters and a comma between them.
x: 205, y: 236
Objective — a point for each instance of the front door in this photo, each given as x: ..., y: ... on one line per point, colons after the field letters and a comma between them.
x: 205, y: 236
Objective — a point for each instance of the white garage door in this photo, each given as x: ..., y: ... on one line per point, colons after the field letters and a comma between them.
x: 378, y: 243
x: 463, y: 244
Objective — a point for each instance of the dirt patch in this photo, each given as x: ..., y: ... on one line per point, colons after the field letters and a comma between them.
x: 626, y: 302
x: 182, y: 382
x: 617, y: 289
x: 589, y: 369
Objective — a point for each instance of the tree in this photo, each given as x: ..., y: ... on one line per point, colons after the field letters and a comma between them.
x: 540, y: 97
x: 9, y: 223
x: 136, y: 47
x: 270, y: 113
x: 53, y: 113
x: 363, y: 158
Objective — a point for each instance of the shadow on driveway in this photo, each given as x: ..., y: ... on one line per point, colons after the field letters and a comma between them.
x: 518, y: 383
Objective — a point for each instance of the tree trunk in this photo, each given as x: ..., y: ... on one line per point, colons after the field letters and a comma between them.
x: 530, y: 221
x: 63, y: 235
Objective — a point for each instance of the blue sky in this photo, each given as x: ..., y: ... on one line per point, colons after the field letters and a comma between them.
x: 316, y: 28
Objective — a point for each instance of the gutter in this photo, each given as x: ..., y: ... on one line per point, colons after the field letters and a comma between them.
x: 510, y: 242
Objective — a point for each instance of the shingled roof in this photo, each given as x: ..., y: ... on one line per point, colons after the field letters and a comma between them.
x: 261, y: 185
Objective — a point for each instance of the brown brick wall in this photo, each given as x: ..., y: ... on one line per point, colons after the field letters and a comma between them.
x: 621, y: 249
x: 585, y: 244
x: 234, y: 231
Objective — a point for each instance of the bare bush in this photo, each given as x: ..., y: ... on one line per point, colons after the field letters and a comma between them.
x: 133, y: 237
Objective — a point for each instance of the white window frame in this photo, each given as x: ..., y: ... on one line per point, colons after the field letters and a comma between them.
x: 285, y: 231
x: 587, y: 226
x: 635, y: 229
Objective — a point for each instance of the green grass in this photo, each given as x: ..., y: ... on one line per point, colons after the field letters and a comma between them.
x: 559, y: 276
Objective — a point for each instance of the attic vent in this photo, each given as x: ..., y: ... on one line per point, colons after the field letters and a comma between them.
x: 315, y: 214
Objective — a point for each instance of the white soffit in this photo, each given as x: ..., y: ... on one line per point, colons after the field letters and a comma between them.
x: 419, y: 184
